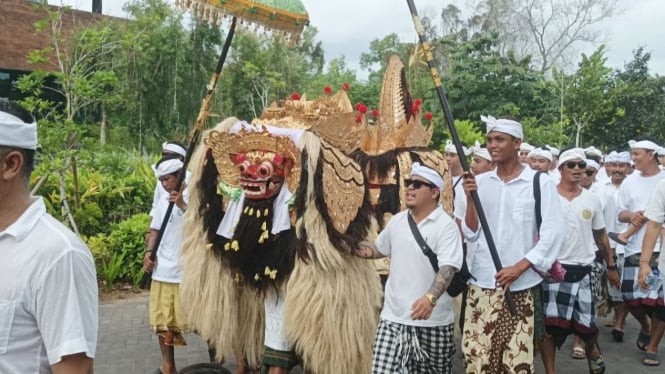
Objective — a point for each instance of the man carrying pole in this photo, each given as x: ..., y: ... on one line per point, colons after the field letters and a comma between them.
x: 493, y: 340
x: 541, y: 255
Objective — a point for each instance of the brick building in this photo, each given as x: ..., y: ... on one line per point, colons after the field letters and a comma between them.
x: 18, y: 36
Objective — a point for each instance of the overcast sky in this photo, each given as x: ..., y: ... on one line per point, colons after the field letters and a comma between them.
x: 346, y: 27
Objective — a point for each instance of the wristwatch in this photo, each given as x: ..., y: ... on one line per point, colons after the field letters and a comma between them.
x: 431, y: 298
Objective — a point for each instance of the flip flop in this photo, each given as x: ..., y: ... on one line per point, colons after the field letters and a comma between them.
x: 617, y: 335
x: 650, y: 359
x: 578, y: 353
x: 642, y: 341
x: 615, y: 236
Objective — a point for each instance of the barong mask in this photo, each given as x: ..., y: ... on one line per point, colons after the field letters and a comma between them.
x: 262, y: 173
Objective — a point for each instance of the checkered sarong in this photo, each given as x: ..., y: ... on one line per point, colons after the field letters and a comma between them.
x: 418, y: 349
x: 633, y: 295
x: 570, y: 306
x: 615, y: 293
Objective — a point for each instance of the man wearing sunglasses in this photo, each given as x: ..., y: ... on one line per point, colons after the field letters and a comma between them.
x: 416, y: 327
x: 632, y: 200
x: 589, y: 174
x: 508, y: 200
x: 570, y: 305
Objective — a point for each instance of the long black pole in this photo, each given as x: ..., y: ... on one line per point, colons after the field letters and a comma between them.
x: 427, y: 50
x: 194, y: 140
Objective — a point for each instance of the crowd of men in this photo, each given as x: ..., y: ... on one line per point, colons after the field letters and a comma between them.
x: 549, y: 213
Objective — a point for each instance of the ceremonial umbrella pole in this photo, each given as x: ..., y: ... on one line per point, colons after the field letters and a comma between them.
x: 427, y: 50
x: 282, y: 18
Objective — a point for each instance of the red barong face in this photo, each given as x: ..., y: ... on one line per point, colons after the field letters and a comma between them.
x: 261, y: 173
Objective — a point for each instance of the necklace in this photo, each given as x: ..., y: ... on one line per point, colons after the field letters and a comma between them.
x: 512, y: 176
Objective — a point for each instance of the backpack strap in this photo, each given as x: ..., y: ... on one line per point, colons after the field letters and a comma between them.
x: 427, y: 251
x: 536, y: 197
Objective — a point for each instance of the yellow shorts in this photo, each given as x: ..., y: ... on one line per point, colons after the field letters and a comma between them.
x: 166, y: 317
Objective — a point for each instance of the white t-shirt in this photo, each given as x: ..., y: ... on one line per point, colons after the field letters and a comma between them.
x: 582, y: 215
x: 48, y: 294
x: 167, y: 268
x: 634, y: 195
x: 607, y: 192
x: 656, y: 212
x: 411, y: 274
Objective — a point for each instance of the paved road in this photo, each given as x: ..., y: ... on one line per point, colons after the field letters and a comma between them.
x: 126, y: 345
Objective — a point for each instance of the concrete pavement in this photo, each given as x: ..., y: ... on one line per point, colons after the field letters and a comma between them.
x: 126, y: 345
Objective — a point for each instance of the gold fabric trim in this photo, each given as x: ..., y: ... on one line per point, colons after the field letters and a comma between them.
x: 343, y: 186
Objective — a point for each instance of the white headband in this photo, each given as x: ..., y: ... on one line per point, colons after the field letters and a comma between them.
x: 168, y: 167
x: 592, y: 164
x: 506, y: 126
x: 526, y: 147
x: 450, y: 148
x: 427, y: 173
x: 555, y: 151
x: 16, y: 133
x: 593, y: 151
x: 572, y: 154
x: 643, y: 144
x: 540, y: 152
x: 481, y: 152
x: 620, y: 158
x: 175, y: 148
x: 660, y: 151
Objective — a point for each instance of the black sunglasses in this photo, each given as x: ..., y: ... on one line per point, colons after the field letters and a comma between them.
x: 417, y: 184
x: 589, y: 172
x: 572, y: 164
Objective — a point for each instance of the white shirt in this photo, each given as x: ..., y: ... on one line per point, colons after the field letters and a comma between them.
x: 411, y: 273
x: 582, y: 214
x: 510, y: 212
x: 607, y: 192
x: 656, y: 212
x: 633, y: 196
x: 167, y: 268
x: 48, y: 294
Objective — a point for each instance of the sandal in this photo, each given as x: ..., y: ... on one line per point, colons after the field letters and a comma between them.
x: 650, y: 359
x: 642, y: 341
x: 617, y: 335
x: 597, y: 366
x: 578, y: 353
x: 615, y: 236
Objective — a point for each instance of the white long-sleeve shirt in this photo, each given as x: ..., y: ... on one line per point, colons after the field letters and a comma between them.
x: 510, y: 212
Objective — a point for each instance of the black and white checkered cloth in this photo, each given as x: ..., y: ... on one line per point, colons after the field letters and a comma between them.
x: 570, y: 305
x: 422, y: 350
x: 633, y: 295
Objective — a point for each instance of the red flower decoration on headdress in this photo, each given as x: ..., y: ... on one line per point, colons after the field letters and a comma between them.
x: 429, y: 116
x: 415, y: 108
x: 295, y: 96
x: 362, y: 108
x: 359, y: 118
x: 375, y: 113
x: 345, y: 86
x: 418, y: 102
x: 327, y: 90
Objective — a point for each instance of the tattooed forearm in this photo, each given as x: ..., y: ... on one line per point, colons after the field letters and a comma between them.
x: 603, y: 243
x: 368, y: 250
x: 442, y: 281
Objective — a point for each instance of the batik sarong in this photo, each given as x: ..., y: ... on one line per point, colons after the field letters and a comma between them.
x: 494, y: 341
